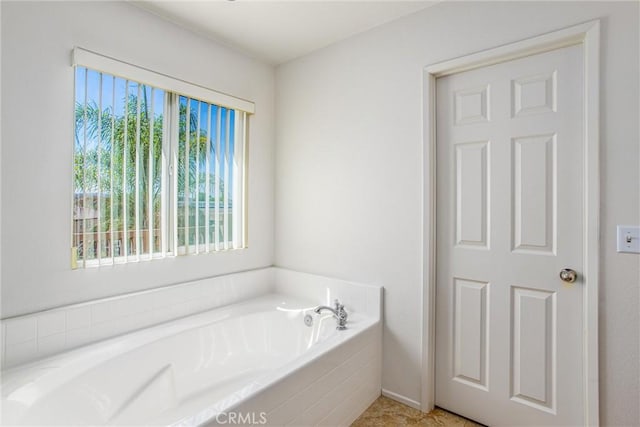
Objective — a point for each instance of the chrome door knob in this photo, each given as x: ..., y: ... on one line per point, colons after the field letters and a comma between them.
x: 568, y: 275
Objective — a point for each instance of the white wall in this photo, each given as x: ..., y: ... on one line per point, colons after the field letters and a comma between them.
x: 348, y: 169
x: 37, y: 143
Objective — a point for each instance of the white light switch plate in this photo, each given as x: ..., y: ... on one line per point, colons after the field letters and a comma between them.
x: 629, y: 239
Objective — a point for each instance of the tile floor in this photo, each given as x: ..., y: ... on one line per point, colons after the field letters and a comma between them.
x: 385, y: 412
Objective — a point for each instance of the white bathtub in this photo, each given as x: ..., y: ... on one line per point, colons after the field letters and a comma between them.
x: 255, y: 359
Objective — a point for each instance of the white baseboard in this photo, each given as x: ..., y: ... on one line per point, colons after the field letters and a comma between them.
x: 402, y: 399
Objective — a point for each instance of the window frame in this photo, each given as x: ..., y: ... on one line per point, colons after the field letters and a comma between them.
x: 174, y: 89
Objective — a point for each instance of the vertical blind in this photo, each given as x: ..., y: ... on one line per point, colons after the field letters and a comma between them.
x: 209, y: 182
x: 156, y: 173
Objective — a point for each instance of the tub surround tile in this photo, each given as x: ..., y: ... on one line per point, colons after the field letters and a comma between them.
x: 191, y: 291
x: 51, y: 324
x: 78, y: 318
x: 179, y: 310
x: 20, y: 330
x: 354, y: 384
x: 173, y: 295
x: 163, y: 298
x: 52, y: 343
x: 332, y: 390
x: 385, y: 412
x: 325, y: 404
x: 355, y: 296
x: 135, y: 304
x: 77, y: 337
x: 103, y: 330
x: 309, y: 378
x: 21, y: 352
x: 29, y: 337
x: 3, y: 348
x: 323, y: 386
x: 352, y: 406
x: 103, y: 311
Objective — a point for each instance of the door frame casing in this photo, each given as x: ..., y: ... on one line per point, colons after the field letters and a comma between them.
x: 588, y: 35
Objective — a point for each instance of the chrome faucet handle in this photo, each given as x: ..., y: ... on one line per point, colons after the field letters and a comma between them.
x: 341, y: 315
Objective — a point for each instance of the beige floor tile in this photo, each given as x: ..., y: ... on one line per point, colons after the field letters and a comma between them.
x: 385, y: 412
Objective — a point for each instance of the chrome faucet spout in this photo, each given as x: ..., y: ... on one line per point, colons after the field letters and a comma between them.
x: 319, y: 310
x: 339, y: 314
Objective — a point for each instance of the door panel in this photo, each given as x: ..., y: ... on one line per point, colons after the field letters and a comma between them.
x: 509, y: 218
x: 470, y: 332
x: 472, y: 194
x: 534, y: 188
x: 533, y: 345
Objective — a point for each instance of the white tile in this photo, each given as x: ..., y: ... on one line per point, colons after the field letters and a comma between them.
x: 146, y: 319
x: 209, y: 302
x: 51, y: 323
x: 20, y: 329
x: 162, y: 298
x: 320, y: 392
x: 133, y: 304
x: 104, y: 311
x: 3, y: 346
x: 21, y: 352
x: 192, y: 291
x: 176, y: 294
x: 180, y: 310
x: 137, y: 321
x: 342, y: 411
x: 78, y: 318
x: 3, y: 333
x: 243, y: 280
x: 103, y: 330
x: 197, y: 305
x: 162, y: 314
x: 281, y: 415
x: 291, y: 386
x: 331, y: 399
x: 78, y: 337
x: 51, y: 344
x: 120, y: 326
x: 212, y: 287
x: 373, y: 303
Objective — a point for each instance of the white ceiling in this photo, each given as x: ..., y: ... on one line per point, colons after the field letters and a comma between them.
x: 279, y: 31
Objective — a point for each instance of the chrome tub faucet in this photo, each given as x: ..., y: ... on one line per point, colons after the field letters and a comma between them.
x: 338, y: 313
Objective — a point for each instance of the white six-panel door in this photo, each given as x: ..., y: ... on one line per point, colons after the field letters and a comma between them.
x: 509, y: 331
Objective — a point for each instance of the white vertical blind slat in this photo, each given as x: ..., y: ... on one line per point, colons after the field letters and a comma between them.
x: 125, y: 145
x: 207, y: 184
x: 150, y: 176
x: 111, y: 177
x: 244, y: 174
x: 84, y: 209
x: 226, y: 180
x: 217, y: 178
x: 197, y: 184
x: 174, y: 106
x: 238, y: 200
x: 136, y: 209
x: 164, y: 213
x: 99, y: 170
x: 187, y: 167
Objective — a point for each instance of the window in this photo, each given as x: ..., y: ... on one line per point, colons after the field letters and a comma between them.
x: 156, y: 172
